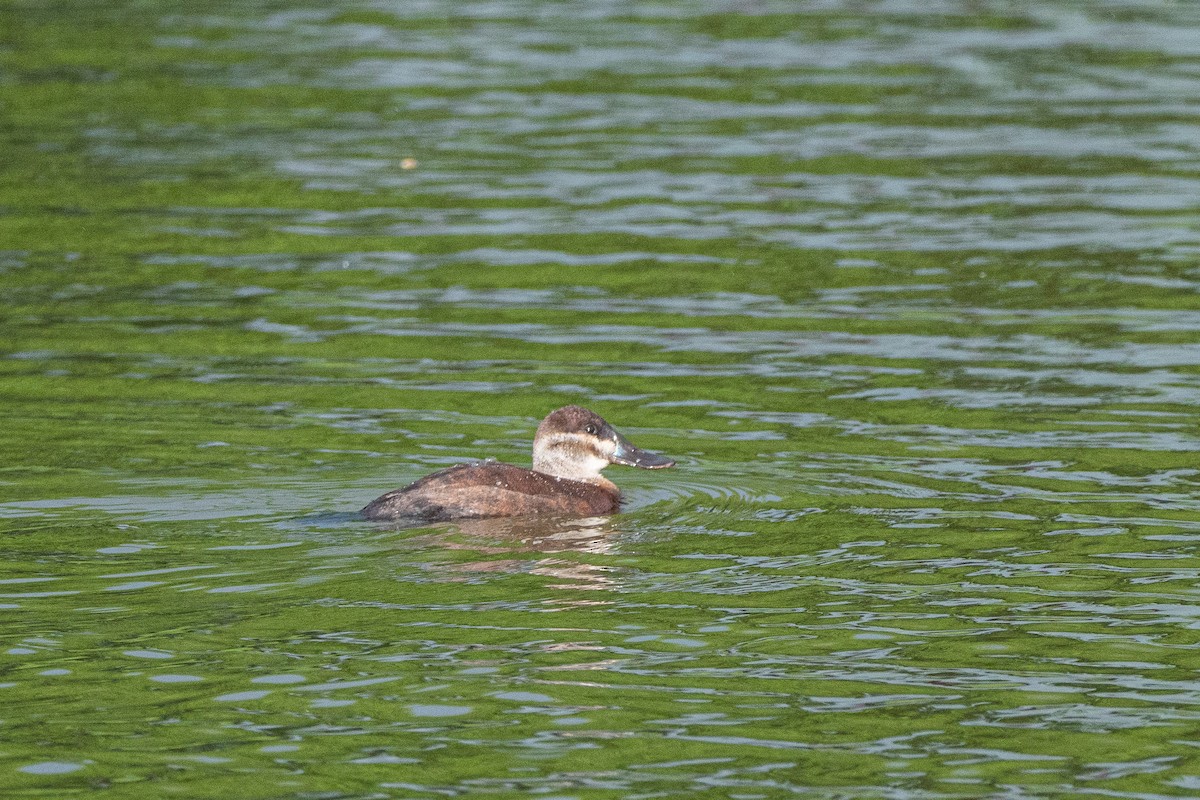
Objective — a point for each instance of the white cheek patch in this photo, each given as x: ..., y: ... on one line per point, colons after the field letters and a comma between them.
x: 575, y: 456
x: 580, y: 447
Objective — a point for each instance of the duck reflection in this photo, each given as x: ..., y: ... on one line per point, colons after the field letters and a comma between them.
x: 533, y: 535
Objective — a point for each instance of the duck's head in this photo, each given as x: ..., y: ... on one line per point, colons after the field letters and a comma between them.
x: 576, y: 444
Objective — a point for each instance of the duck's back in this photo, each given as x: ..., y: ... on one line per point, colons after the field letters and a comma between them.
x: 491, y: 489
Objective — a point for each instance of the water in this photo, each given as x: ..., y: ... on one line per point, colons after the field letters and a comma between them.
x: 909, y: 290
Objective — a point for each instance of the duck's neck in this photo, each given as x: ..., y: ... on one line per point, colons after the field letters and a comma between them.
x: 561, y: 462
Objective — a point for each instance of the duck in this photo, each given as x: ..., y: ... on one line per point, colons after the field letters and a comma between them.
x: 570, y: 448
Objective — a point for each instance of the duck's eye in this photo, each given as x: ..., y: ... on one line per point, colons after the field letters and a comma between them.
x: 591, y: 429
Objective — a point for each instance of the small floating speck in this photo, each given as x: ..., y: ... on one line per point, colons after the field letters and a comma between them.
x: 524, y: 697
x: 147, y: 654
x: 408, y: 163
x: 279, y: 679
x: 329, y: 702
x: 683, y: 641
x: 51, y: 768
x: 439, y: 711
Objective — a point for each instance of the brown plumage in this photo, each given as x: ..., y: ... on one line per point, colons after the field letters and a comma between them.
x: 570, y: 448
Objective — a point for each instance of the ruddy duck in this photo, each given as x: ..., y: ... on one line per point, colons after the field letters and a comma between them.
x: 570, y: 448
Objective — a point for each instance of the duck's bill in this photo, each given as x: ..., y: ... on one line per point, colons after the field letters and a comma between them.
x: 632, y: 456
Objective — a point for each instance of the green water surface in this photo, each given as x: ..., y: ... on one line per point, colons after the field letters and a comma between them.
x: 911, y: 292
